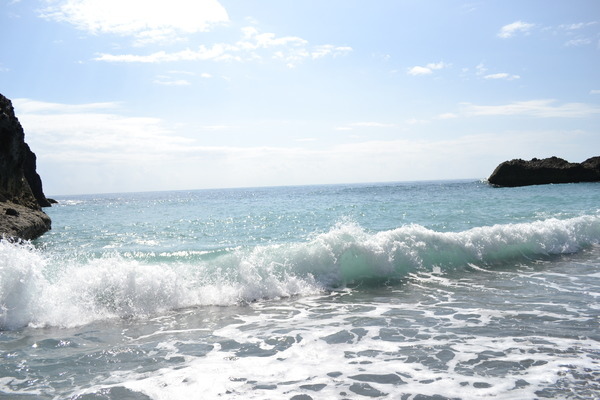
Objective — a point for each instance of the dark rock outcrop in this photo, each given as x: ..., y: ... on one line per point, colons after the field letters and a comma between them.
x: 548, y: 170
x: 33, y: 178
x: 21, y: 194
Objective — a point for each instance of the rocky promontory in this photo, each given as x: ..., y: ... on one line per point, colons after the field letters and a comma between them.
x: 543, y: 171
x: 21, y: 194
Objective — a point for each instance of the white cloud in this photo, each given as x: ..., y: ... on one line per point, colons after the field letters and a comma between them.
x: 427, y: 69
x: 578, y: 34
x: 253, y: 45
x: 511, y: 30
x: 546, y: 108
x: 502, y: 75
x: 169, y: 81
x: 595, y: 91
x: 146, y: 21
x: 94, y: 131
x: 252, y: 39
x: 328, y: 49
x: 577, y: 26
x: 417, y: 70
x: 218, y: 52
x: 481, y: 69
x: 578, y: 42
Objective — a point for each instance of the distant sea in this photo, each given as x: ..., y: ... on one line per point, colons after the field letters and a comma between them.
x: 422, y: 290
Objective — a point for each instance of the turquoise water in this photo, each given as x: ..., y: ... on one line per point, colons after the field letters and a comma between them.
x: 427, y: 290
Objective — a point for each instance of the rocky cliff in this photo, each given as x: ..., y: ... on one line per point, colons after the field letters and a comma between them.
x: 21, y: 194
x: 548, y: 170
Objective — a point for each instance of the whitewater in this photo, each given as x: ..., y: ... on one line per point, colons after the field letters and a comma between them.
x: 418, y: 290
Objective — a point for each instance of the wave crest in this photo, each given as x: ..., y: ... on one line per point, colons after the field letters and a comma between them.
x: 38, y: 289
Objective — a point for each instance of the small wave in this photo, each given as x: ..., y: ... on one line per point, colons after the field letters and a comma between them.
x: 37, y: 289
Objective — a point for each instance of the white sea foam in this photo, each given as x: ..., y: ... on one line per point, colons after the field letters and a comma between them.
x: 348, y: 354
x: 39, y: 289
x: 20, y: 283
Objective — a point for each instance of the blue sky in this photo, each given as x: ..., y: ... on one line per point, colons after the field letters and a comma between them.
x: 136, y: 95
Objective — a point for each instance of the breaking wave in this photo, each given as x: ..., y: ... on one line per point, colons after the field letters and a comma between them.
x: 39, y: 289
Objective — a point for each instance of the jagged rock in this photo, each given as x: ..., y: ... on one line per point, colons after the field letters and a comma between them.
x: 34, y: 180
x: 21, y: 194
x: 593, y: 164
x: 548, y: 170
x: 22, y: 222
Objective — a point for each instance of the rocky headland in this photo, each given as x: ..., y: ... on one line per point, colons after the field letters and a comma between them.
x: 21, y: 194
x: 543, y: 171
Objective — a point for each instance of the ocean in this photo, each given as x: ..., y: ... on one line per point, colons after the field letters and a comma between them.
x: 412, y: 290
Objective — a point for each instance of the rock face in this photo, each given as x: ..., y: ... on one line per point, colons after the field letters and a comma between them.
x: 549, y: 170
x: 21, y: 194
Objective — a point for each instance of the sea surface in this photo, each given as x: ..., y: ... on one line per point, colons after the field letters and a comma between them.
x: 420, y: 290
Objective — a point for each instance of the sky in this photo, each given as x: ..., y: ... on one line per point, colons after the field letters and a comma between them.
x: 144, y: 95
